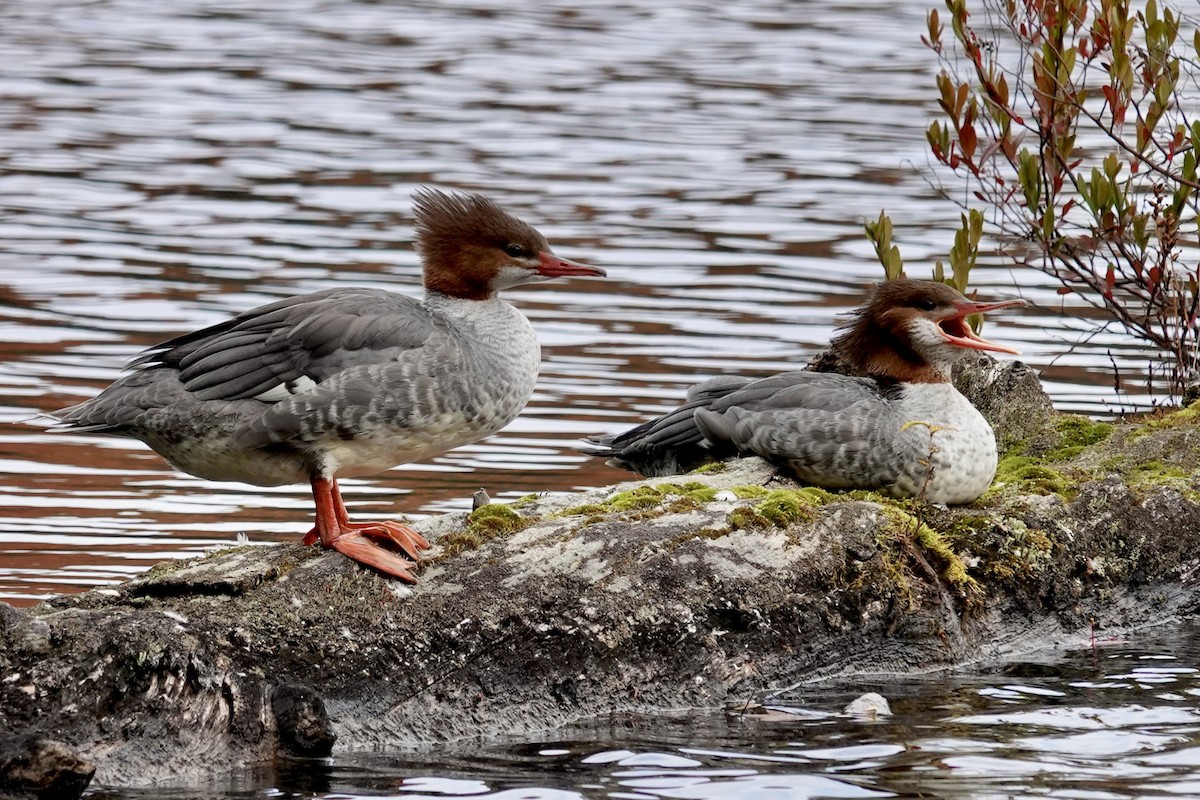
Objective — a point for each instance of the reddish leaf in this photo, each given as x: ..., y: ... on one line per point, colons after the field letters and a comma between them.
x: 1065, y: 290
x: 1153, y: 277
x: 1110, y: 282
x: 968, y: 140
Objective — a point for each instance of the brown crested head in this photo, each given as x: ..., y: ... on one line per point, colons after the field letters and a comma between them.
x: 471, y: 248
x: 913, y: 330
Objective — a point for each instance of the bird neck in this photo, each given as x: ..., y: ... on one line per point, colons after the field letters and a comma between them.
x: 879, y: 353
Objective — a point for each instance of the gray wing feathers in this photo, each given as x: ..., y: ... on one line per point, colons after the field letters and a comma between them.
x: 802, y: 418
x: 671, y: 443
x: 360, y: 397
x: 313, y: 337
x: 858, y: 438
x: 121, y: 407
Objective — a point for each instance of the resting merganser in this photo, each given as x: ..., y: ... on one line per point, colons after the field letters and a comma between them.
x: 349, y: 382
x: 896, y: 424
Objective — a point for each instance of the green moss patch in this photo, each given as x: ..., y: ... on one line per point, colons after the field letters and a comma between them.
x: 780, y: 508
x: 523, y: 501
x: 492, y: 521
x: 906, y: 531
x: 1075, y: 433
x: 1185, y: 417
x: 675, y: 497
x: 783, y: 507
x: 747, y: 518
x: 1029, y: 475
x: 1032, y: 468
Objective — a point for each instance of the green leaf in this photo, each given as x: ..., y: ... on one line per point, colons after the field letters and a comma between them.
x: 880, y: 234
x: 1030, y: 177
x: 1112, y: 166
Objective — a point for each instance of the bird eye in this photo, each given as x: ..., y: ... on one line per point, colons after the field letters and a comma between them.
x: 515, y: 250
x: 926, y: 304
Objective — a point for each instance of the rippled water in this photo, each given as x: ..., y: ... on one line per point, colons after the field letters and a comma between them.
x: 1105, y: 722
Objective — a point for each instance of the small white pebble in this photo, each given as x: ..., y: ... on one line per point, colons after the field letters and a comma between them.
x: 869, y: 706
x: 725, y: 496
x: 180, y: 618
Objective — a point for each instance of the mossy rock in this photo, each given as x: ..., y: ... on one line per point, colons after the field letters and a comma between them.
x: 485, y: 523
x: 1188, y: 416
x: 1028, y: 475
x: 1075, y: 433
x: 906, y: 529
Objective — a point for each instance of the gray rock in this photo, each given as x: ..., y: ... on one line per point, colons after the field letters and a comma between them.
x: 1008, y: 394
x: 32, y: 766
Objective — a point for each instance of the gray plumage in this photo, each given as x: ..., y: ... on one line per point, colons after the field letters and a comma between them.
x: 292, y: 388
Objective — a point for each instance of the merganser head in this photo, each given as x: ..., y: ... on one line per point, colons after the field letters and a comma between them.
x: 471, y: 248
x: 914, y: 331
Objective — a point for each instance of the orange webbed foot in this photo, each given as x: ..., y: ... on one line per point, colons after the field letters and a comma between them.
x: 358, y: 547
x: 397, y: 533
x: 372, y: 543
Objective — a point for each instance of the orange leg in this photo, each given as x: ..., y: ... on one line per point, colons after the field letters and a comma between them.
x: 361, y: 540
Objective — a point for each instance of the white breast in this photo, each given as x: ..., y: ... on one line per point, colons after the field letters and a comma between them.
x: 486, y: 367
x: 946, y: 448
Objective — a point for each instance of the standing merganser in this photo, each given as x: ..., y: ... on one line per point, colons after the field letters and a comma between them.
x: 349, y: 382
x: 896, y: 424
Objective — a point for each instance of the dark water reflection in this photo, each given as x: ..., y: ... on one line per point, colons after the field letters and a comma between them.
x: 1118, y: 720
x: 163, y: 165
